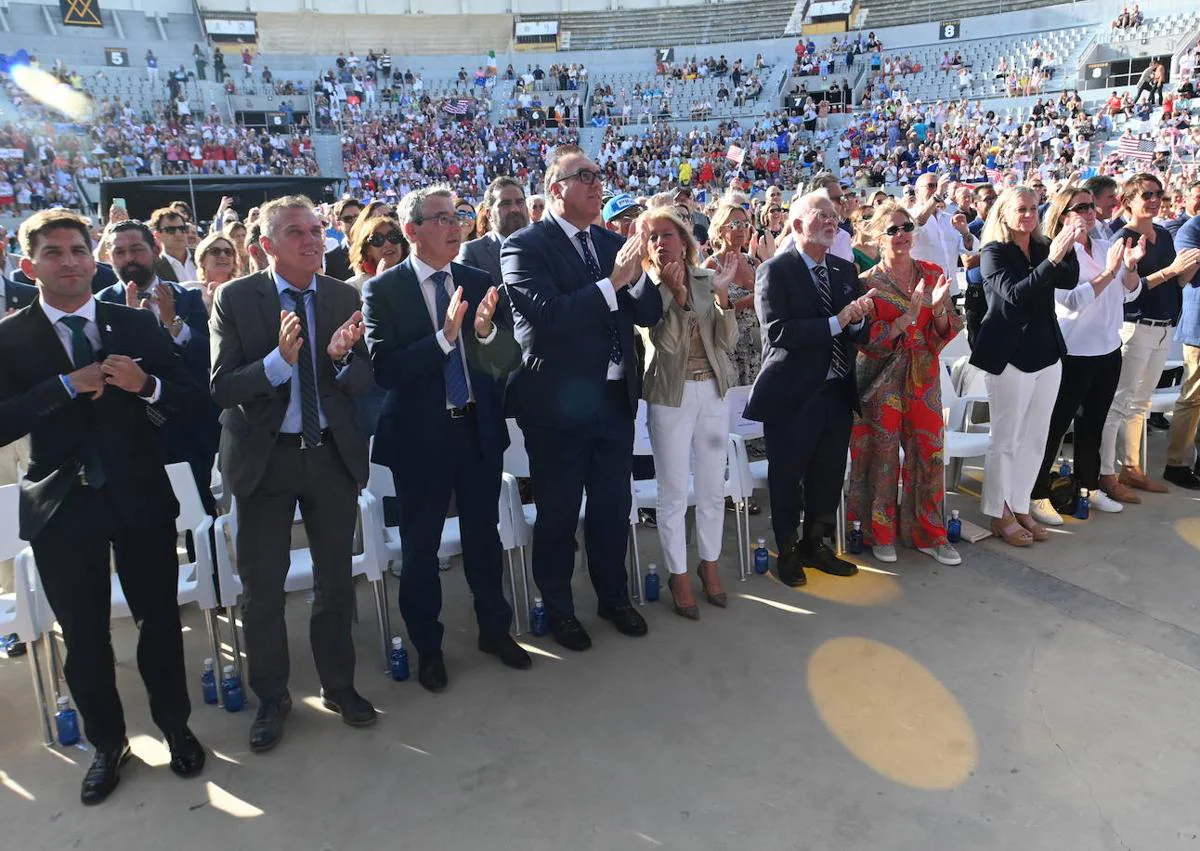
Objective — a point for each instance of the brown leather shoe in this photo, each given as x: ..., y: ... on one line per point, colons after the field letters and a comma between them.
x: 1112, y: 486
x: 1135, y: 478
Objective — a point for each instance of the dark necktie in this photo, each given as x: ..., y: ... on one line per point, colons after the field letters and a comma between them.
x: 310, y: 412
x: 83, y: 354
x: 453, y: 371
x: 841, y: 360
x: 614, y: 338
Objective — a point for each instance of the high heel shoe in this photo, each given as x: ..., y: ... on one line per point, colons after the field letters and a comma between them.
x: 692, y: 611
x: 719, y: 598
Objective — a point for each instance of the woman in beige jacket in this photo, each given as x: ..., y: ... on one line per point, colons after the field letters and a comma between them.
x: 688, y: 371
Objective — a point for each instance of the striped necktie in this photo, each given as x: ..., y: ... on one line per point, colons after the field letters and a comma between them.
x: 310, y: 412
x: 841, y: 360
x: 614, y: 337
x: 453, y: 371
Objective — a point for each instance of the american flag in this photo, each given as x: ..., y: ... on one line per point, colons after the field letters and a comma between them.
x: 1135, y: 148
x: 457, y: 106
x: 994, y: 175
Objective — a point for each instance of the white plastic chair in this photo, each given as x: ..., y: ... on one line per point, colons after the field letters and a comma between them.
x: 300, y: 573
x: 22, y: 611
x: 745, y: 476
x: 1161, y: 402
x: 957, y: 442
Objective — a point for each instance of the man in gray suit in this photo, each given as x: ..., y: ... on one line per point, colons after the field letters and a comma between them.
x: 287, y: 360
x: 507, y: 213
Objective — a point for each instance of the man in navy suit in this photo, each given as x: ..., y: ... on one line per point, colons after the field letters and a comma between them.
x: 442, y: 427
x: 14, y: 296
x: 811, y: 310
x: 576, y: 292
x: 182, y: 315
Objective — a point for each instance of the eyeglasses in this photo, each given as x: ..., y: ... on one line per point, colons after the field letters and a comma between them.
x: 586, y: 176
x: 822, y: 216
x: 376, y: 240
x: 221, y: 252
x: 739, y: 224
x: 465, y: 215
x: 907, y: 227
x: 443, y: 219
x: 1151, y: 194
x: 1082, y: 207
x: 178, y: 229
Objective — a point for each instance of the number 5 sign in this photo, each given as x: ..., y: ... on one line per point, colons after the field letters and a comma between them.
x: 949, y: 30
x: 116, y: 57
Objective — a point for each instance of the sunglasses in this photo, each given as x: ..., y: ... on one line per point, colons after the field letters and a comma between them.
x: 376, y: 240
x: 1151, y: 194
x: 178, y: 229
x: 1083, y: 207
x: 907, y: 227
x: 221, y: 252
x: 740, y: 224
x: 774, y: 209
x: 586, y: 176
x: 349, y: 220
x: 465, y: 215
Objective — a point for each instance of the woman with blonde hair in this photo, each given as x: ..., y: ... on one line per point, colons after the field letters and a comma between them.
x: 899, y: 391
x: 729, y: 234
x: 688, y: 372
x: 216, y: 264
x: 1020, y: 347
x: 236, y: 232
x: 376, y: 244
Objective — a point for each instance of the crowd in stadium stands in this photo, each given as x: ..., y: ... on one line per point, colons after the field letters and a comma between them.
x: 1129, y: 19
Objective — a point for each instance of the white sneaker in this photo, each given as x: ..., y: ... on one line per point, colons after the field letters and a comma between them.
x: 943, y: 554
x: 884, y: 553
x: 1101, y: 501
x: 1044, y: 513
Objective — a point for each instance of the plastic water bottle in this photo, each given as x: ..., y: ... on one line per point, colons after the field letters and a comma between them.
x: 538, y: 624
x: 208, y: 683
x: 954, y: 528
x: 1082, y: 506
x: 1064, y: 467
x: 856, y: 538
x: 762, y: 557
x: 67, y: 722
x: 399, y: 660
x: 231, y: 687
x: 651, y: 594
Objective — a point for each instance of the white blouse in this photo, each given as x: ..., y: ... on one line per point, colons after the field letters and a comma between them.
x: 1091, y: 324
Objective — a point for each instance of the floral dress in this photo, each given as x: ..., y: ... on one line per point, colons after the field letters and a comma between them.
x: 901, y: 399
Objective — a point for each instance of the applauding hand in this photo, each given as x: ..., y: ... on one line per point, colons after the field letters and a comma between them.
x: 346, y: 336
x: 485, y: 312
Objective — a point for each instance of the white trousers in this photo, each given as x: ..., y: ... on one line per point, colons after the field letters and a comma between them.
x: 698, y: 427
x: 1144, y: 350
x: 1020, y: 404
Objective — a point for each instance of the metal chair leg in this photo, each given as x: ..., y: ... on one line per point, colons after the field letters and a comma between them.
x: 636, y: 595
x: 738, y: 507
x: 54, y: 662
x: 214, y: 647
x: 512, y: 584
x: 525, y: 580
x: 39, y: 691
x: 383, y: 617
x: 237, y: 642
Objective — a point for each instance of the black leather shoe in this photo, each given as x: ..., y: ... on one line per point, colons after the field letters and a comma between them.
x: 626, y: 619
x: 104, y: 774
x: 1183, y: 477
x: 569, y: 632
x: 431, y: 671
x: 355, y: 709
x: 788, y: 569
x: 1158, y: 421
x: 506, y: 650
x: 267, y: 729
x: 825, y: 560
x: 187, y: 754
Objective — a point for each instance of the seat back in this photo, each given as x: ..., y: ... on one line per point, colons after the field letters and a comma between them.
x: 953, y: 408
x: 191, y: 509
x: 641, y: 430
x: 738, y: 424
x: 10, y: 538
x: 381, y: 483
x: 516, y: 460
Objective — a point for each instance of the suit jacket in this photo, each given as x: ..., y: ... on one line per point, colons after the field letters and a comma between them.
x: 164, y: 270
x: 103, y: 278
x: 483, y: 254
x: 17, y: 295
x: 337, y: 263
x: 797, y: 345
x: 244, y: 329
x: 64, y: 432
x: 408, y: 364
x: 561, y: 321
x: 196, y: 436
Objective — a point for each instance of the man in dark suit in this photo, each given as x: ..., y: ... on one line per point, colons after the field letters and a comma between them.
x: 811, y: 310
x: 79, y: 376
x: 442, y: 429
x: 507, y: 214
x: 576, y: 291
x: 182, y: 314
x: 287, y: 361
x: 337, y: 260
x: 14, y: 296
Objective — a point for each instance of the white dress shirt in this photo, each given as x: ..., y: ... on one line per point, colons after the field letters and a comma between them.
x: 616, y: 371
x: 185, y: 271
x: 425, y: 274
x: 938, y: 242
x: 1091, y: 324
x: 92, y: 332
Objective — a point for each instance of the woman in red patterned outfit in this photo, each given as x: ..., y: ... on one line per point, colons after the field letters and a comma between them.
x: 900, y: 391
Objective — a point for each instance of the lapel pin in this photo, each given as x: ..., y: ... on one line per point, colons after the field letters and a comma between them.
x: 108, y: 328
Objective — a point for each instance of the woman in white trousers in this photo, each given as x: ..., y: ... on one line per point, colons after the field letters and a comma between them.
x: 688, y: 371
x: 1020, y: 347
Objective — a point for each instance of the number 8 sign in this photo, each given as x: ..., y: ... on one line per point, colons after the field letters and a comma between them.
x: 949, y: 30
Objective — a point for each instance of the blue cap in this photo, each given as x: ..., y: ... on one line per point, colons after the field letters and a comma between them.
x: 618, y: 204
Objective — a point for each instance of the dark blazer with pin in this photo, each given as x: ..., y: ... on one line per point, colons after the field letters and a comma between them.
x: 797, y: 345
x: 64, y: 432
x: 561, y: 321
x: 483, y: 254
x: 244, y: 329
x: 17, y: 295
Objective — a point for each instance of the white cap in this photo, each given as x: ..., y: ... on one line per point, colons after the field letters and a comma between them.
x: 537, y: 601
x: 954, y: 512
x: 397, y: 642
x: 64, y: 702
x: 653, y: 567
x: 208, y: 664
x: 762, y: 542
x: 228, y: 669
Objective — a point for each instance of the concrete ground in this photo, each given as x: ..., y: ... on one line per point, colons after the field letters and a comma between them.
x: 1030, y: 699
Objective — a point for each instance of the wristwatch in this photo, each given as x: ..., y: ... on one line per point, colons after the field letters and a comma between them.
x: 344, y: 361
x: 176, y: 326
